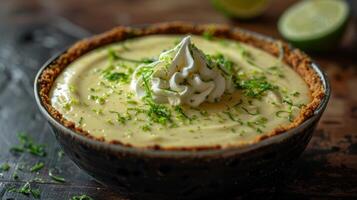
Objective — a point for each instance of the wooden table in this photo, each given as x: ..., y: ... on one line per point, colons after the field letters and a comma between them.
x: 31, y: 31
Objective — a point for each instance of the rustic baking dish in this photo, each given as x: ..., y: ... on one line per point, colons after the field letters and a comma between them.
x: 181, y: 173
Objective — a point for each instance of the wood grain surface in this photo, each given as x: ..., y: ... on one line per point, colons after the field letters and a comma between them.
x: 32, y: 31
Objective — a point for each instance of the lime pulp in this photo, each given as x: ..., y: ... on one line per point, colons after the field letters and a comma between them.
x: 314, y: 24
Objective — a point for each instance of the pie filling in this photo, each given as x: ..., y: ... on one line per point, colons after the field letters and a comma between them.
x: 179, y: 91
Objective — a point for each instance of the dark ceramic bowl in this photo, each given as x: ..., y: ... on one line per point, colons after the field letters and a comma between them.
x: 175, y: 174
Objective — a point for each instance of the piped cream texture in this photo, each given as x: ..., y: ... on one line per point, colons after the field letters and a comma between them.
x: 182, y: 76
x: 113, y: 110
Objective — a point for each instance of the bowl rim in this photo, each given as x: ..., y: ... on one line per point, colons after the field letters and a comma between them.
x: 120, y: 148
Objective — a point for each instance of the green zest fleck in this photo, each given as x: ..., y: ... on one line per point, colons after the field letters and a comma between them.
x: 208, y: 35
x: 229, y: 114
x: 231, y: 117
x: 248, y: 57
x: 81, y: 197
x: 80, y: 122
x: 72, y: 88
x: 224, y: 63
x: 254, y: 87
x: 36, y: 193
x: 26, y: 190
x: 147, y: 60
x: 116, y: 76
x: 239, y: 103
x: 121, y: 118
x: 26, y: 144
x: 146, y: 127
x: 274, y: 70
x: 15, y: 176
x: 146, y: 85
x: 158, y: 113
x: 204, y: 113
x: 258, y: 124
x: 145, y: 71
x: 113, y: 56
x: 245, y: 54
x: 97, y: 99
x: 132, y: 102
x: 296, y: 94
x: 98, y: 111
x: 288, y: 101
x: 68, y: 105
x: 218, y: 60
x: 109, y: 121
x: 120, y: 77
x: 5, y: 167
x: 250, y: 112
x: 55, y: 177
x: 242, y: 132
x: 16, y: 149
x: 284, y: 114
x: 181, y: 114
x: 37, y: 167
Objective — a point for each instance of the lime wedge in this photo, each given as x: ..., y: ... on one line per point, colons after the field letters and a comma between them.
x: 314, y: 24
x: 244, y: 9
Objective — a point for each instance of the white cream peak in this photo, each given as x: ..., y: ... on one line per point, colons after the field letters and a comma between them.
x: 181, y: 76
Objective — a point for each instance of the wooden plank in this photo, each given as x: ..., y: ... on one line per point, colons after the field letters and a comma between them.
x: 32, y: 31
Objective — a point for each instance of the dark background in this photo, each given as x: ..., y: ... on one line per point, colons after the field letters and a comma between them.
x: 32, y: 31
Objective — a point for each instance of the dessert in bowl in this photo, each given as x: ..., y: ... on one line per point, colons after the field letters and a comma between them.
x: 181, y: 109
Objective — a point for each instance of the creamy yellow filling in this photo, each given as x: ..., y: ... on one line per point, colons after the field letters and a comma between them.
x: 103, y: 104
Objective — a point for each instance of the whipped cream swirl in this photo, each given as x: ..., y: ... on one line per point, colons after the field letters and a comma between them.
x: 181, y: 75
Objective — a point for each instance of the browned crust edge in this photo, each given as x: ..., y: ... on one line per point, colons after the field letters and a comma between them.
x: 299, y: 61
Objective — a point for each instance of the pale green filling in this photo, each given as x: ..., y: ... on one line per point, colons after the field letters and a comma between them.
x: 94, y: 93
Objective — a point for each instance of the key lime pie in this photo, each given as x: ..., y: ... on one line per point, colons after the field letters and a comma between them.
x: 180, y: 86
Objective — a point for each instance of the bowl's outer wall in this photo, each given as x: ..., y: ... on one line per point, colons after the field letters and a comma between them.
x: 157, y: 177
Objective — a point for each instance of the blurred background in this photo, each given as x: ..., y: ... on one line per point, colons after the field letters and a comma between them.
x: 100, y: 15
x: 29, y: 20
x: 31, y: 31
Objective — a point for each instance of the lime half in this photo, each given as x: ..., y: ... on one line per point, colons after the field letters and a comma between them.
x: 314, y: 24
x: 244, y: 9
